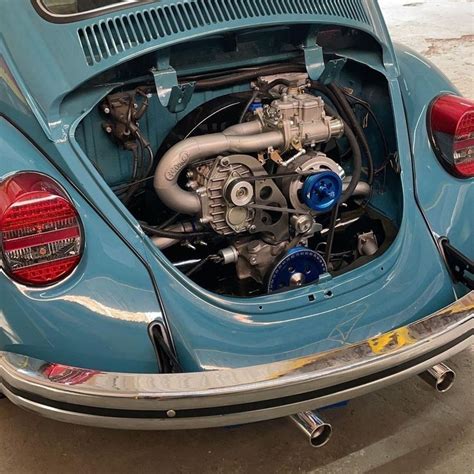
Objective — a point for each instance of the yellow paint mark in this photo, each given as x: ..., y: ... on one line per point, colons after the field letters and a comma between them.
x: 391, y: 341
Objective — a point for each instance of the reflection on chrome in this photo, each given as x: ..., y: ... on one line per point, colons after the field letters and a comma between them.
x: 318, y: 431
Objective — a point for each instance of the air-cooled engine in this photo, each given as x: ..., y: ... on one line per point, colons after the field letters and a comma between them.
x: 263, y: 178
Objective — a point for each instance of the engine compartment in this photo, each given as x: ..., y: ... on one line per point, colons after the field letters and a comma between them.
x: 260, y: 180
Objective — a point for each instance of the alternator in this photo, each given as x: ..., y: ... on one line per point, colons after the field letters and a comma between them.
x: 227, y: 197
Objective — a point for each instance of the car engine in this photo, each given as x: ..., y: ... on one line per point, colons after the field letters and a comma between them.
x: 262, y: 184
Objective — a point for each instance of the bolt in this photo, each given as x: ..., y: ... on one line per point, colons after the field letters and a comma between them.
x: 170, y: 413
x: 253, y: 228
x: 106, y: 110
x: 108, y: 129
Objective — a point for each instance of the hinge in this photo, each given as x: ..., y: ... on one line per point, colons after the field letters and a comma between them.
x: 170, y: 93
x: 317, y: 69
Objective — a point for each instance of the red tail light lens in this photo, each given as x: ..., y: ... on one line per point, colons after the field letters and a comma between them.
x: 68, y: 375
x: 40, y: 230
x: 451, y: 127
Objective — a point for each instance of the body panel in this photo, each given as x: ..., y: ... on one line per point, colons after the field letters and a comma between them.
x: 219, y: 398
x: 445, y: 200
x: 87, y: 319
x: 210, y: 332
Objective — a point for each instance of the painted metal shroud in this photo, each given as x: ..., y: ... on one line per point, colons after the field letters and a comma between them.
x: 228, y: 397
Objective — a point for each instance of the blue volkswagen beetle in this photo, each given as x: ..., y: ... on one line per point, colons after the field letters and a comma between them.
x: 217, y: 212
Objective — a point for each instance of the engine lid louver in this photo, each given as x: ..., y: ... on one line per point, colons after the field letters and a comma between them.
x: 115, y: 35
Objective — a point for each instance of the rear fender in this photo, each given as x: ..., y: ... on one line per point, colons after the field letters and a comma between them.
x: 445, y: 201
x: 98, y: 316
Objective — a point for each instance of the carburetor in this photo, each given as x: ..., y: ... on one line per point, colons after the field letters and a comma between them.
x: 302, y: 119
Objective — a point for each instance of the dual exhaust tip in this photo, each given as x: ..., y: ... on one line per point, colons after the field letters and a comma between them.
x: 319, y: 432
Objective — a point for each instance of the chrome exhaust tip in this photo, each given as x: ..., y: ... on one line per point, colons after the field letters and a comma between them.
x: 440, y: 377
x: 318, y: 431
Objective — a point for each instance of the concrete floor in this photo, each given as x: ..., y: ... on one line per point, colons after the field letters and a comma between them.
x: 406, y: 428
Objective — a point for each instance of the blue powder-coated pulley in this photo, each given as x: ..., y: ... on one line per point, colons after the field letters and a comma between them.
x: 321, y: 191
x: 300, y: 266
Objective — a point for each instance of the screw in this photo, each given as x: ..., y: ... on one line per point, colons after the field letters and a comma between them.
x: 170, y: 413
x: 108, y: 129
x: 106, y: 110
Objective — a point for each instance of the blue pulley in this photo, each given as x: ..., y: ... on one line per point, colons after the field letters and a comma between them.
x: 300, y: 266
x: 322, y: 191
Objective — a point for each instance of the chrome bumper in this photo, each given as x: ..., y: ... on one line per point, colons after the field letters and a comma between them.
x: 235, y: 396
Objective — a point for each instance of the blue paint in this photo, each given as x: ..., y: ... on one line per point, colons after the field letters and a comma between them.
x: 97, y: 318
x: 322, y: 191
x: 446, y: 201
x: 299, y: 262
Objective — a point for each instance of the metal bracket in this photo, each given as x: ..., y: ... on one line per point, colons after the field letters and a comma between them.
x: 314, y: 60
x: 313, y: 55
x: 459, y: 264
x: 332, y: 71
x: 171, y: 94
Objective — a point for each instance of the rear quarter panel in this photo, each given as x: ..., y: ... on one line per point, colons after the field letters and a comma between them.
x: 85, y: 320
x: 447, y: 202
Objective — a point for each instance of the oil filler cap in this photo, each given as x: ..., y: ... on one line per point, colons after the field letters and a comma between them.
x: 321, y: 191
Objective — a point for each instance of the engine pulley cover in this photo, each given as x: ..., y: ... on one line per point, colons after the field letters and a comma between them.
x: 300, y: 266
x: 322, y: 191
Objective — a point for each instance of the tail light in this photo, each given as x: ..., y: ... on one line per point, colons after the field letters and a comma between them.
x: 67, y: 375
x: 40, y: 230
x: 451, y: 128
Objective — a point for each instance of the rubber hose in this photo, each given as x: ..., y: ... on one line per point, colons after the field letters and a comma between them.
x: 357, y: 159
x: 172, y: 235
x: 252, y: 99
x: 245, y: 76
x: 322, y: 89
x: 353, y: 122
x: 357, y: 155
